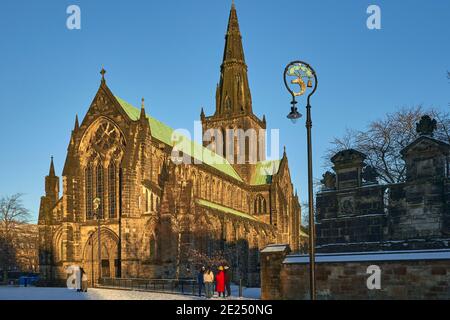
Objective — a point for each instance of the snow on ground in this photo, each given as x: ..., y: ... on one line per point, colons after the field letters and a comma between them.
x: 247, y: 293
x: 33, y: 293
x: 112, y: 294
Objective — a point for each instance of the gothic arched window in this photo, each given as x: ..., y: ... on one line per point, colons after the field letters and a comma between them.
x: 112, y: 190
x: 260, y: 206
x: 146, y: 201
x: 152, y: 203
x: 224, y: 143
x: 152, y: 247
x: 100, y: 190
x: 89, y: 193
x: 199, y: 187
x: 227, y: 104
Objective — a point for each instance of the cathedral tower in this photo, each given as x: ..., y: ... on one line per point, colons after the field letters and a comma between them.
x: 242, y: 133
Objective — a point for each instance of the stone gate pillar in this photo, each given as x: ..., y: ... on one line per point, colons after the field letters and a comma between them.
x: 272, y: 257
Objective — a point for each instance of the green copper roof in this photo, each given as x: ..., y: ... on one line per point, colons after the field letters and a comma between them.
x: 164, y: 133
x: 264, y: 172
x: 225, y: 209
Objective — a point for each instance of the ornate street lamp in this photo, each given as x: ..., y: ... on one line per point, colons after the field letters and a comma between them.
x: 302, y: 74
x: 96, y: 203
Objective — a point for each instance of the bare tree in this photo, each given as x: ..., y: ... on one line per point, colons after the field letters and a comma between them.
x: 12, y: 213
x: 448, y: 77
x: 383, y: 140
x: 197, y: 258
x: 305, y: 214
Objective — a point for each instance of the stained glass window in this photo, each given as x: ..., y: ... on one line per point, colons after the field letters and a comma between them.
x: 89, y: 195
x: 100, y: 190
x: 112, y: 190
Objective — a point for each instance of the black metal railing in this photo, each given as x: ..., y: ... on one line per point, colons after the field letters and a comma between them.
x: 182, y: 286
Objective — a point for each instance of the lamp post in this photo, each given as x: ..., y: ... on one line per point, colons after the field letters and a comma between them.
x: 91, y: 243
x: 96, y: 203
x: 300, y: 72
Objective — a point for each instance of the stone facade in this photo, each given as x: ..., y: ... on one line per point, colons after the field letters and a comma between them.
x: 355, y: 213
x: 403, y: 229
x: 403, y: 275
x: 156, y: 211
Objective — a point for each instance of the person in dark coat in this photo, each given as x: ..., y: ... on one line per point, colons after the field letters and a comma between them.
x: 200, y: 281
x: 227, y: 280
x: 84, y: 280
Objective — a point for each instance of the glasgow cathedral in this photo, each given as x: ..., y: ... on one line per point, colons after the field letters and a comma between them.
x: 159, y: 218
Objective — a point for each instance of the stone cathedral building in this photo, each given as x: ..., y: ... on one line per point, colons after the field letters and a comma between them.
x: 157, y: 214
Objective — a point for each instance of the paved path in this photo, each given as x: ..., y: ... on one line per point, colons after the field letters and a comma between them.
x: 32, y: 293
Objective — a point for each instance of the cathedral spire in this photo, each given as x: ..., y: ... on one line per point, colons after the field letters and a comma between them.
x: 233, y: 43
x: 51, y: 172
x: 234, y: 105
x: 52, y: 185
x: 233, y: 93
x: 202, y: 114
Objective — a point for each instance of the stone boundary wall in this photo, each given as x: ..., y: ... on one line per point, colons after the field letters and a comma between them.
x: 423, y: 274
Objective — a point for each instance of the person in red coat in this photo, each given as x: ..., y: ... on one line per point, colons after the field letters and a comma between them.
x: 220, y: 282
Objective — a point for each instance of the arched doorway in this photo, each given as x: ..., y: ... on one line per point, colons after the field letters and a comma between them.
x: 109, y: 255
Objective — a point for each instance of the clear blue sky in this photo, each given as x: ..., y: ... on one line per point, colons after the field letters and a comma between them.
x: 170, y: 51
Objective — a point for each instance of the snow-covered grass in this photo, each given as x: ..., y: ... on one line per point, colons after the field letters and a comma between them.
x: 33, y: 293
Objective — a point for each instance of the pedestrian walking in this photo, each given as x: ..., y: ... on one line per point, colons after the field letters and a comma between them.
x: 208, y: 279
